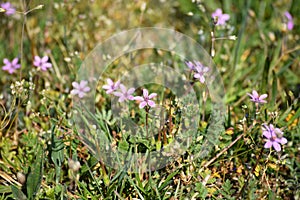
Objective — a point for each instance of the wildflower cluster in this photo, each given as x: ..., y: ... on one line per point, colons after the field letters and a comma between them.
x: 274, y: 135
x: 41, y: 63
x: 199, y: 70
x: 119, y: 90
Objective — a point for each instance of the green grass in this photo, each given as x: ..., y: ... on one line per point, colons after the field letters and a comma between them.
x: 40, y: 146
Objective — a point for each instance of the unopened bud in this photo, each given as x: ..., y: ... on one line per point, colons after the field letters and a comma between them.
x: 39, y: 6
x: 21, y: 177
x: 232, y: 37
x: 74, y: 165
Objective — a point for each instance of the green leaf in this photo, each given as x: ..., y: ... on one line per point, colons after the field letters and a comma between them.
x: 202, y: 190
x: 17, y: 193
x: 167, y: 181
x: 35, y: 175
x: 57, y: 153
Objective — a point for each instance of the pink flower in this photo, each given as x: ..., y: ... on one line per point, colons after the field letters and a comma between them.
x: 274, y: 137
x: 80, y: 89
x: 190, y: 65
x: 9, y: 9
x: 255, y: 97
x: 290, y: 22
x: 124, y: 94
x: 220, y: 17
x: 12, y: 66
x: 111, y: 86
x: 201, y: 70
x: 145, y: 99
x: 42, y: 63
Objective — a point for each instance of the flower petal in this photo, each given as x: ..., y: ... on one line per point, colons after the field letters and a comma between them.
x: 151, y: 103
x: 86, y: 89
x: 109, y: 82
x: 74, y: 91
x: 130, y: 91
x: 15, y: 61
x: 139, y: 98
x: 255, y: 94
x: 123, y: 88
x: 82, y: 83
x: 6, y: 61
x: 152, y: 95
x: 276, y: 146
x: 268, y: 144
x: 283, y: 140
x: 143, y: 104
x: 75, y: 85
x: 263, y: 96
x: 81, y: 94
x: 106, y: 87
x: 145, y: 93
x: 267, y: 134
x: 225, y: 17
x: 44, y: 59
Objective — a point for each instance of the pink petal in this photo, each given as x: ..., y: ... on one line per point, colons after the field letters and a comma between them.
x: 130, y: 97
x: 197, y: 75
x: 123, y: 88
x: 268, y: 144
x: 139, y: 98
x: 288, y: 15
x: 47, y: 65
x: 109, y: 81
x: 151, y: 103
x: 15, y: 61
x: 121, y: 99
x: 143, y: 104
x: 82, y: 84
x: 74, y: 91
x: 152, y: 95
x: 217, y: 13
x: 75, y: 85
x: 276, y: 146
x: 130, y: 91
x: 250, y: 95
x: 44, y: 59
x: 205, y: 69
x: 263, y: 96
x: 290, y: 25
x: 282, y: 140
x: 81, y: 94
x: 109, y: 91
x: 225, y: 17
x: 17, y: 66
x: 37, y: 59
x: 255, y: 94
x: 267, y: 134
x: 106, y: 87
x: 6, y: 61
x: 86, y: 89
x: 145, y: 92
x: 202, y: 79
x: 117, y: 84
